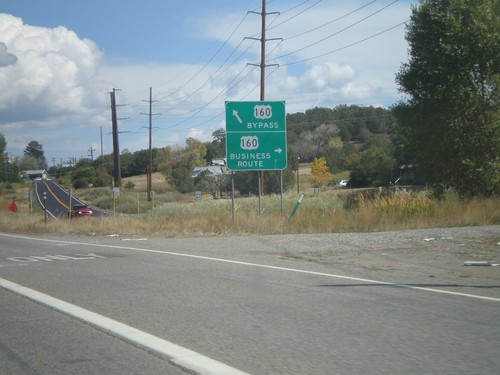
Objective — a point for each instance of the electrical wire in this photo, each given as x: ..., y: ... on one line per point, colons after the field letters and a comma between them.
x: 269, y: 53
x: 241, y: 99
x: 210, y: 102
x: 330, y: 22
x: 336, y: 33
x: 213, y: 78
x: 347, y: 46
x: 352, y: 44
x: 295, y: 15
x: 211, y: 58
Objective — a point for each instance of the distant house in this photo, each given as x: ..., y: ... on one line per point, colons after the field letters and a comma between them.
x: 215, y: 170
x: 218, y: 161
x: 35, y: 173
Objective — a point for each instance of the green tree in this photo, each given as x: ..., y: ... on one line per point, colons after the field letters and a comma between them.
x: 247, y: 182
x: 84, y: 174
x: 34, y: 150
x: 451, y: 120
x: 272, y: 181
x: 126, y: 162
x: 337, y: 156
x: 178, y: 170
x: 101, y: 178
x: 28, y: 162
x: 216, y: 148
x: 162, y: 157
x: 3, y: 161
x: 207, y: 182
x: 312, y: 143
x: 180, y: 174
x: 106, y: 162
x: 293, y: 160
x: 311, y: 134
x: 374, y: 166
x: 3, y: 144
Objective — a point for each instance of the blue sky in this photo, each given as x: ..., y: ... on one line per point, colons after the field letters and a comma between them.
x: 59, y: 59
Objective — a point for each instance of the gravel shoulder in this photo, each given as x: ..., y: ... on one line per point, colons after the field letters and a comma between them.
x: 425, y: 257
x: 428, y: 256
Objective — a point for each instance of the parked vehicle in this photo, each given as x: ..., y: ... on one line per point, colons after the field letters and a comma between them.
x: 80, y: 210
x: 343, y: 183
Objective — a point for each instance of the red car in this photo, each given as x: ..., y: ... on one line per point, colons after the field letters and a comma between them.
x: 80, y: 210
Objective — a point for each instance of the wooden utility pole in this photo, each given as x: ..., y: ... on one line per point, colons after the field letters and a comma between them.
x: 263, y: 53
x: 262, y: 65
x: 102, y: 155
x: 116, y: 147
x: 262, y: 73
x: 150, y: 164
x: 150, y: 159
x: 91, y: 150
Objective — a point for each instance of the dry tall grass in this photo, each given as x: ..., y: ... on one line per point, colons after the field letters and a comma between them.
x: 321, y: 213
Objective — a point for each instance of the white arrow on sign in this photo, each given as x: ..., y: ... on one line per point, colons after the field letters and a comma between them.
x: 278, y: 150
x: 235, y: 114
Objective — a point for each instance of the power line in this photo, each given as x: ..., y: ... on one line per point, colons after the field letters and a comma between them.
x: 295, y: 15
x: 197, y: 111
x: 241, y: 98
x: 211, y: 58
x: 330, y: 22
x: 212, y: 78
x: 221, y: 70
x: 347, y: 46
x: 336, y: 33
x: 210, y: 102
x: 216, y: 73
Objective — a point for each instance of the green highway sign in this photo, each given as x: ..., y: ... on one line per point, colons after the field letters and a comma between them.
x: 255, y: 136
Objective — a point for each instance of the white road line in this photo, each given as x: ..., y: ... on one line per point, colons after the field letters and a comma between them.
x: 178, y: 355
x: 433, y: 290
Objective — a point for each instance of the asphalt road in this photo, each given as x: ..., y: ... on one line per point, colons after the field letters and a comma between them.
x: 56, y: 199
x: 258, y: 305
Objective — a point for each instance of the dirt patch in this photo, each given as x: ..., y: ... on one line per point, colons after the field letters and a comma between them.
x: 405, y: 256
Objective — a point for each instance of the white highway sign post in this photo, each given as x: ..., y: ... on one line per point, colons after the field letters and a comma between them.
x: 256, y: 136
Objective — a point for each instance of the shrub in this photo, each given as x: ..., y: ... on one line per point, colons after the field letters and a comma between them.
x: 80, y: 183
x: 129, y: 186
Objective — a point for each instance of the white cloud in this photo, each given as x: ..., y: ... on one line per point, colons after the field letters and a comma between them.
x: 52, y: 75
x: 358, y: 92
x: 6, y: 58
x: 328, y: 74
x: 199, y: 134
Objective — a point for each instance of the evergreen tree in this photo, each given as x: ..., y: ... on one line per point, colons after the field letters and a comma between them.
x: 450, y: 124
x: 34, y: 151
